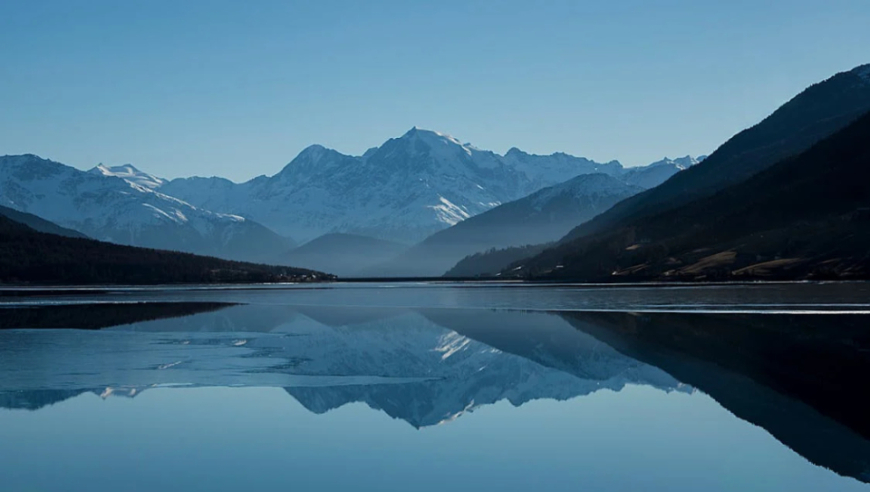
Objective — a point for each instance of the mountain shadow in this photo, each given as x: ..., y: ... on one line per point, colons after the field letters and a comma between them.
x: 98, y: 316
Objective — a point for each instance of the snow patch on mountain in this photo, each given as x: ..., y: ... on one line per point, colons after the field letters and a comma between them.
x: 679, y: 163
x: 658, y: 172
x: 449, y: 213
x: 129, y: 173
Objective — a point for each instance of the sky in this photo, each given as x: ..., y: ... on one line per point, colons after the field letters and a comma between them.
x: 237, y: 89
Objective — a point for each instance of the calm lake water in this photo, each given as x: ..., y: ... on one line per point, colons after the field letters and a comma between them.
x: 411, y: 387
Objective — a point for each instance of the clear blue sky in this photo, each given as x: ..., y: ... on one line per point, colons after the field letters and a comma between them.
x: 237, y: 89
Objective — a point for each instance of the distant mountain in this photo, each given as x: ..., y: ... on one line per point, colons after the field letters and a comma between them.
x: 658, y: 172
x: 402, y: 191
x: 546, y: 170
x: 807, y: 217
x: 31, y: 257
x: 37, y: 223
x: 342, y: 254
x: 112, y: 204
x: 812, y: 115
x: 543, y: 216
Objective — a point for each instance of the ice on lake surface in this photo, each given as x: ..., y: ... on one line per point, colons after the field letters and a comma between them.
x: 436, y: 387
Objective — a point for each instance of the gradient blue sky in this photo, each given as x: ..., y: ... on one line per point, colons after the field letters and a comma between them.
x: 237, y: 89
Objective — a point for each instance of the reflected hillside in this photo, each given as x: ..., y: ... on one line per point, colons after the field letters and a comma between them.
x: 797, y: 376
x: 97, y: 316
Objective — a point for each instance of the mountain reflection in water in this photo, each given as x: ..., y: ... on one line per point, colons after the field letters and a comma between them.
x: 795, y: 376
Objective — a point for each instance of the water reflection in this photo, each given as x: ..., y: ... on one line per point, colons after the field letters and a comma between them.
x: 795, y: 376
x: 424, y: 367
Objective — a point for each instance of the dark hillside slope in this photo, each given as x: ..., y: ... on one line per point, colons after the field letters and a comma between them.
x: 31, y: 257
x: 38, y: 223
x: 812, y: 115
x: 806, y: 217
x: 491, y: 262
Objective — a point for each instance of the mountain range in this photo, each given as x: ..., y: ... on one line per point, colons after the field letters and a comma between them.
x: 398, y: 193
x: 402, y: 191
x: 425, y: 203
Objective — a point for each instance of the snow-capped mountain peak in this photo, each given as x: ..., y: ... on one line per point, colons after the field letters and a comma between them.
x: 680, y: 162
x: 431, y: 137
x: 440, y: 146
x: 129, y: 173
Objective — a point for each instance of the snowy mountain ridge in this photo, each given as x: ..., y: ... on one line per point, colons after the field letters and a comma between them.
x: 119, y: 205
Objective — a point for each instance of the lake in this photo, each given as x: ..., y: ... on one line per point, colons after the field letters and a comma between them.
x: 436, y: 386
